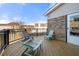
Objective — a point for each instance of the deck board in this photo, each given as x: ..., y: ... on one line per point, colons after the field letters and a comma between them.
x: 49, y: 48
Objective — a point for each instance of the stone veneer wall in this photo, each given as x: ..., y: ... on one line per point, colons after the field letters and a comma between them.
x: 59, y: 26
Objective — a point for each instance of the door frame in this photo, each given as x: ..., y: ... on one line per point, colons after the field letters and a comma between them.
x: 67, y: 24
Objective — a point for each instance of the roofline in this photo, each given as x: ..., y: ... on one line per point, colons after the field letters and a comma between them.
x: 53, y: 8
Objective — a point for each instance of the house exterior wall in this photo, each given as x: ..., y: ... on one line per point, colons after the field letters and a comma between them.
x: 65, y: 9
x: 57, y: 19
x: 59, y: 26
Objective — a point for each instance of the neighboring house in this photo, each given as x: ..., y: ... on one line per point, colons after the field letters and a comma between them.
x: 29, y: 28
x: 37, y: 27
x: 61, y: 18
x: 12, y: 25
x: 40, y: 27
x: 5, y: 26
x: 15, y: 25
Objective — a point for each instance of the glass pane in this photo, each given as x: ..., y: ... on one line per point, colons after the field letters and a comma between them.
x: 74, y: 25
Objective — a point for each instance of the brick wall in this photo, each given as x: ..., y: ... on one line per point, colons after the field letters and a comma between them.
x: 59, y: 26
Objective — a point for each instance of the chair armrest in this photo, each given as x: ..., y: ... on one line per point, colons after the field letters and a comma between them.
x: 27, y: 41
x: 27, y: 54
x: 37, y: 46
x: 28, y: 46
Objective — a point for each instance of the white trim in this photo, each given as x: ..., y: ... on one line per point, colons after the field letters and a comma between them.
x: 52, y: 8
x: 71, y: 39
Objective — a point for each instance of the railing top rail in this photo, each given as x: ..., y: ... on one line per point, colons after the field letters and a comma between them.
x: 16, y: 30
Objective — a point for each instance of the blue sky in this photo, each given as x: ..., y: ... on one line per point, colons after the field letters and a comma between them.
x: 28, y: 13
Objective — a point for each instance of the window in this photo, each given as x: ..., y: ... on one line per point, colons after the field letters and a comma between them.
x: 43, y: 25
x: 74, y: 25
x: 36, y: 25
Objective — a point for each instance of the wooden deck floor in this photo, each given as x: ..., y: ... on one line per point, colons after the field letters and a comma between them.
x: 49, y: 48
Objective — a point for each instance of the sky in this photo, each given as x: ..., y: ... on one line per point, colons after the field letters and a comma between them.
x: 28, y: 13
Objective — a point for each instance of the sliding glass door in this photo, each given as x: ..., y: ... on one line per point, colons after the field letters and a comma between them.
x: 73, y: 28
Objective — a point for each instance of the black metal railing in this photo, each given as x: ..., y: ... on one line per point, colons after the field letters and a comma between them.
x: 4, y: 39
x: 15, y: 34
x: 9, y: 35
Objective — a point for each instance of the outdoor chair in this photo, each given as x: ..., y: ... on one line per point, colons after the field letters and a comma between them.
x: 27, y: 38
x: 50, y: 35
x: 32, y: 48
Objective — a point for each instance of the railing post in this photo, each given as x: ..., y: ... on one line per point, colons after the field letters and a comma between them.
x: 6, y: 37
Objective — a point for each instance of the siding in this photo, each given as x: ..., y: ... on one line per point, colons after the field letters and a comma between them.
x: 59, y: 26
x: 64, y: 9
